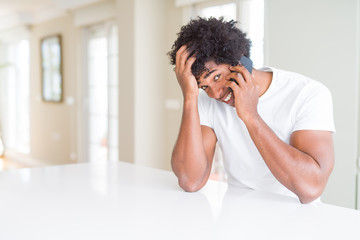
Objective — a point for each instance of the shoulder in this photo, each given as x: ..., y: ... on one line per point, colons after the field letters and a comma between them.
x: 204, y: 102
x: 203, y: 99
x: 307, y: 88
x: 293, y: 78
x: 203, y: 96
x: 296, y: 82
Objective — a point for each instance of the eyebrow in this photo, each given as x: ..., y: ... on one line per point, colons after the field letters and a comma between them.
x: 207, y: 75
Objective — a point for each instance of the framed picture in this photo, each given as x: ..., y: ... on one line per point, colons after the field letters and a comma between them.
x: 51, y: 69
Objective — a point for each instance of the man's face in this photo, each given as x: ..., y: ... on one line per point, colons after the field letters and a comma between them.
x: 213, y: 81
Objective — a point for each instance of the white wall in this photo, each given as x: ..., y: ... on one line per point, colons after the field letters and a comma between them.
x: 125, y: 17
x: 319, y: 39
x: 53, y: 125
x: 150, y: 59
x: 172, y: 88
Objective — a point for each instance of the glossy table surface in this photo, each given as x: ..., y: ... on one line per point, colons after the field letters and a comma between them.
x: 126, y: 201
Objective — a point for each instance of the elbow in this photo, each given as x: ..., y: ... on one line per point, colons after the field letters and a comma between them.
x: 308, y: 199
x: 310, y: 189
x: 310, y: 194
x: 189, y: 186
x: 187, y: 180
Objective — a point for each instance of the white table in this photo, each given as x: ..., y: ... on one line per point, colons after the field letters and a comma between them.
x: 125, y: 201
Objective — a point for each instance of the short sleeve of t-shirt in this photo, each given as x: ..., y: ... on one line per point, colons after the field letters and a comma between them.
x: 314, y: 109
x: 204, y: 104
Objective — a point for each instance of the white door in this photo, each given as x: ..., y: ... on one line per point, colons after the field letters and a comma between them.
x: 101, y: 117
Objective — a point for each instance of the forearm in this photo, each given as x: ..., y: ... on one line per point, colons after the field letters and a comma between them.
x: 189, y: 161
x: 296, y: 170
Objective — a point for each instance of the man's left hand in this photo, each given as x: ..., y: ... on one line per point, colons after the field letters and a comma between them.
x: 246, y: 92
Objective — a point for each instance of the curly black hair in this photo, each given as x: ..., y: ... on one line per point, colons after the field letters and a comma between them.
x: 211, y: 39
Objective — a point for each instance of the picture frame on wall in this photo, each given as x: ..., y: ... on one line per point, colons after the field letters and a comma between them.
x: 51, y: 69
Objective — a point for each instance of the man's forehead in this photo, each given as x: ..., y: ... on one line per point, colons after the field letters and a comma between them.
x: 203, y: 75
x: 210, y: 65
x: 208, y: 69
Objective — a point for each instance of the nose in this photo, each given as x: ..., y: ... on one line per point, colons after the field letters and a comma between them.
x: 217, y: 90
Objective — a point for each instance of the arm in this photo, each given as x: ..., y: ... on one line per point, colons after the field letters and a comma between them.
x: 194, y: 149
x: 304, y: 165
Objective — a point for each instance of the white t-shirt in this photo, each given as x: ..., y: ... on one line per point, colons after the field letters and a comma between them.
x: 292, y: 102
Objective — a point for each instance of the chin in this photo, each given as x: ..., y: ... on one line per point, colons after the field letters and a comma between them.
x: 231, y: 102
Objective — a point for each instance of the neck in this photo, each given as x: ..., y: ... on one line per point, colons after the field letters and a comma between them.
x: 262, y: 79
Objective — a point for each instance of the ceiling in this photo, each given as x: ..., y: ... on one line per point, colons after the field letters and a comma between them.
x: 15, y: 12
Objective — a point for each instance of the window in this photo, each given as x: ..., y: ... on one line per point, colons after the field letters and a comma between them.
x: 250, y: 17
x: 101, y: 93
x: 15, y: 95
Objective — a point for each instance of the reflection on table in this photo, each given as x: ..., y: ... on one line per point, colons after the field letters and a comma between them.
x: 125, y: 201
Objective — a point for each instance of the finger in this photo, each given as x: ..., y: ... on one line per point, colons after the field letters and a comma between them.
x: 190, y: 62
x: 244, y: 72
x: 183, y: 58
x: 237, y: 77
x: 234, y: 87
x: 178, y: 54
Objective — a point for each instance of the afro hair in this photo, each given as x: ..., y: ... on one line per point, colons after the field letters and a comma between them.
x: 211, y: 39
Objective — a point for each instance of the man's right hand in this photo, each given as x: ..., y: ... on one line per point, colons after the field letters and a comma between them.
x: 184, y: 75
x: 194, y: 149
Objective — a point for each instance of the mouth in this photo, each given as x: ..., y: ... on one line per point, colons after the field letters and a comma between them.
x: 228, y: 97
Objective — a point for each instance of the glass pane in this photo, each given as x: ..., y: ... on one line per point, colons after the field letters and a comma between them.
x: 228, y: 11
x: 98, y: 62
x: 10, y: 130
x: 97, y: 44
x: 98, y: 100
x: 97, y: 72
x: 114, y: 133
x: 113, y: 154
x: 98, y: 126
x: 113, y: 71
x: 51, y: 68
x: 113, y: 40
x: 97, y: 153
x: 256, y: 31
x: 114, y: 101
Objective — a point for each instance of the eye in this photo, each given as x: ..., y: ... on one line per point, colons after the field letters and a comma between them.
x: 204, y: 87
x: 217, y: 77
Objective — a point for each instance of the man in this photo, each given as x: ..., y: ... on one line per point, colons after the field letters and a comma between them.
x: 274, y: 127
